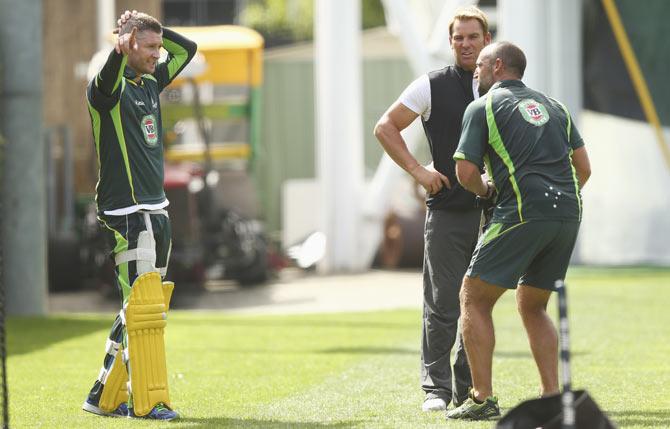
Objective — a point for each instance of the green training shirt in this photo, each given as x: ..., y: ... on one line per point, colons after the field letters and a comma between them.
x: 526, y: 140
x: 127, y: 128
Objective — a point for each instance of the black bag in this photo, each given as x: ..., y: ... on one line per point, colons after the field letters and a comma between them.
x: 547, y: 413
x: 568, y: 410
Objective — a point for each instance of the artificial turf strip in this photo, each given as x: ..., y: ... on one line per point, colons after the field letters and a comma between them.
x: 349, y: 370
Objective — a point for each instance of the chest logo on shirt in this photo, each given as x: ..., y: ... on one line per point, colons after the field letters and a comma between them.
x: 149, y: 128
x: 534, y: 112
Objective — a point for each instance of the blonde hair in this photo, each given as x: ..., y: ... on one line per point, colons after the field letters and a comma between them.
x: 469, y: 12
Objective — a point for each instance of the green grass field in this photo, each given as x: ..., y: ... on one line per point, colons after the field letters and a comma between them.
x: 349, y: 370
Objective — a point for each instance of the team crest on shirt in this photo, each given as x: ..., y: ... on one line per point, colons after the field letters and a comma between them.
x: 150, y: 130
x: 533, y: 112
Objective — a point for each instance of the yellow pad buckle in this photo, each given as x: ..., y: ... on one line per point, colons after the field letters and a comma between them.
x: 145, y: 324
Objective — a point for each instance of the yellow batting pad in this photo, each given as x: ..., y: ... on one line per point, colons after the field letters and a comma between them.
x: 145, y: 323
x: 115, y: 392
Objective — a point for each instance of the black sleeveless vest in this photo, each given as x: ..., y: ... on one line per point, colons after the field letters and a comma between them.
x: 450, y: 94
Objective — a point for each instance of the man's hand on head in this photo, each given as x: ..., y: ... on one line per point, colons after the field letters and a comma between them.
x: 127, y: 42
x: 125, y: 16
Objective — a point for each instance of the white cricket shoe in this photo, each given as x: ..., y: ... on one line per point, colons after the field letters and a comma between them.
x: 434, y: 404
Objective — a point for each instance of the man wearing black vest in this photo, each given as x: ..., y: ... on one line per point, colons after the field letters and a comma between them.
x: 452, y: 220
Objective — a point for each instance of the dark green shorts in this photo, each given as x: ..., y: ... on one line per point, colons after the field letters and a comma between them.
x: 533, y: 253
x: 122, y: 232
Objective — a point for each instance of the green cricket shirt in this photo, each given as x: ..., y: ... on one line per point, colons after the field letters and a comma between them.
x: 526, y: 140
x: 127, y: 128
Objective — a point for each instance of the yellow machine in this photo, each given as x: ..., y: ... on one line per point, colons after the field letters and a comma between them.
x: 211, y: 120
x: 227, y: 77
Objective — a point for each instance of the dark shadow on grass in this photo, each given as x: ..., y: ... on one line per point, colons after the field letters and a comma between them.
x: 304, y: 351
x: 524, y: 354
x: 656, y: 418
x: 512, y: 354
x: 251, y: 296
x: 371, y: 350
x: 224, y: 422
x: 298, y: 321
x: 617, y: 271
x: 27, y: 334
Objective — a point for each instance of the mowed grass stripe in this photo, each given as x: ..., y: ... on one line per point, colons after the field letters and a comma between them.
x: 349, y: 370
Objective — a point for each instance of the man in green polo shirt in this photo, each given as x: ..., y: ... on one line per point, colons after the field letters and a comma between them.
x: 537, y: 163
x: 123, y: 101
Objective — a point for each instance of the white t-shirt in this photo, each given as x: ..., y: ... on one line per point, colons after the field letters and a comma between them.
x: 416, y: 97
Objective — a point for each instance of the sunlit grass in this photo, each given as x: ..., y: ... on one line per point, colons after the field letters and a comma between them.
x: 349, y: 370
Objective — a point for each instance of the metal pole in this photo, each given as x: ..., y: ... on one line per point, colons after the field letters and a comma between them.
x: 549, y: 34
x: 401, y: 22
x: 67, y: 224
x: 339, y: 114
x: 565, y: 59
x: 524, y: 23
x: 106, y: 22
x: 3, y: 308
x: 51, y: 180
x: 567, y: 397
x: 25, y: 246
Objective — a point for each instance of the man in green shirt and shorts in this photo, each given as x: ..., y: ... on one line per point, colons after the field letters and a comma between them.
x: 123, y: 101
x: 537, y: 163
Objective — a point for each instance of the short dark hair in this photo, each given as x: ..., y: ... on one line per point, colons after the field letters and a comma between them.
x: 143, y: 22
x: 511, y: 56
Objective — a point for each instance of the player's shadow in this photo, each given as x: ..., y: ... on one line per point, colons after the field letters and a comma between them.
x: 225, y: 422
x: 27, y: 334
x: 654, y: 418
x: 525, y: 354
x: 299, y: 321
x: 371, y: 350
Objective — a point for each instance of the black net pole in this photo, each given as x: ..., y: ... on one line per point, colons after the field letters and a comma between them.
x: 3, y: 348
x: 567, y: 397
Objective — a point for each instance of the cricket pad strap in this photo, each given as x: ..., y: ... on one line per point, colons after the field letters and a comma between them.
x: 145, y: 324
